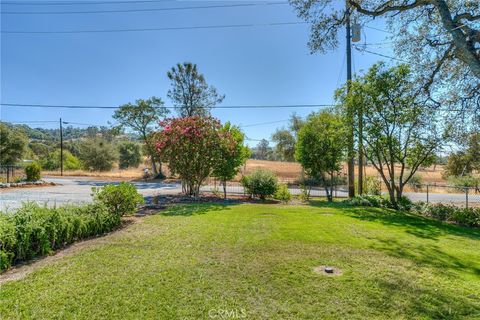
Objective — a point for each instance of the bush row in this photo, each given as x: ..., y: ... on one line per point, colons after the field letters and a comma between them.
x: 469, y: 217
x: 35, y: 230
x: 404, y: 204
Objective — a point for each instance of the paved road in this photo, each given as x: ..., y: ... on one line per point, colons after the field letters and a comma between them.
x: 73, y: 190
x: 78, y: 190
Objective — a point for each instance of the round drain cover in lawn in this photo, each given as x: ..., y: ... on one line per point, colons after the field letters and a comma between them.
x: 328, y: 271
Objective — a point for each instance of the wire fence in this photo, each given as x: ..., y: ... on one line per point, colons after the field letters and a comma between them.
x: 11, y: 173
x: 446, y: 194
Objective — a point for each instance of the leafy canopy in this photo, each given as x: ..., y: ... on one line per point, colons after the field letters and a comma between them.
x: 192, y: 147
x: 233, y: 154
x: 401, y: 131
x: 440, y: 38
x: 321, y: 147
x: 13, y: 144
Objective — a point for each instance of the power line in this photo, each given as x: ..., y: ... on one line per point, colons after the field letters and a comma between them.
x: 159, y: 29
x: 263, y: 123
x: 385, y: 56
x: 144, y: 10
x: 69, y: 3
x: 31, y: 122
x: 20, y: 105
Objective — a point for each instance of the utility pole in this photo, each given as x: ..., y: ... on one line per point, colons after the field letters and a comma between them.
x: 61, y: 148
x: 361, y: 165
x: 351, y: 151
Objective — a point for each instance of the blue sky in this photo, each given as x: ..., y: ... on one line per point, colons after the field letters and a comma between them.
x: 261, y: 65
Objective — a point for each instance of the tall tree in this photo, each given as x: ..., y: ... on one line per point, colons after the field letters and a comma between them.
x: 190, y: 93
x: 97, y: 154
x: 285, y: 144
x: 440, y: 38
x: 401, y: 131
x: 296, y: 123
x: 142, y: 116
x: 262, y: 150
x: 321, y: 147
x: 13, y: 144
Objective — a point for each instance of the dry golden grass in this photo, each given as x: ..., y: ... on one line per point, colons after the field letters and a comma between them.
x: 115, y: 174
x: 286, y: 171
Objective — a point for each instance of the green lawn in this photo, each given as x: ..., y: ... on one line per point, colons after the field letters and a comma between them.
x: 258, y: 261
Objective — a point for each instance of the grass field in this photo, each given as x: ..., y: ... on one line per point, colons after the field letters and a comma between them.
x: 258, y: 261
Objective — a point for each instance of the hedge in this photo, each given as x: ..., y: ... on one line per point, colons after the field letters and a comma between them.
x: 34, y: 230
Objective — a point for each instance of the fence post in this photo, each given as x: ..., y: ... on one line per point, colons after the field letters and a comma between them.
x: 466, y: 197
x: 428, y: 193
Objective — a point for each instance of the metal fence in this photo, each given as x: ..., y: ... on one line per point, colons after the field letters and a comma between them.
x: 235, y: 188
x: 11, y: 173
x: 446, y: 194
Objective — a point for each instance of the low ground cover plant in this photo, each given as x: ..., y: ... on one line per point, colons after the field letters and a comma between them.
x: 261, y: 183
x: 34, y: 230
x: 403, y: 203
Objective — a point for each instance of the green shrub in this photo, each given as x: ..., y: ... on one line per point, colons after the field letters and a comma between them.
x: 469, y: 217
x: 373, y: 186
x: 129, y: 155
x: 367, y: 201
x: 121, y: 199
x: 52, y: 161
x: 283, y: 194
x: 34, y: 230
x: 7, y: 241
x: 260, y: 183
x: 304, y: 193
x: 32, y: 171
x: 404, y: 203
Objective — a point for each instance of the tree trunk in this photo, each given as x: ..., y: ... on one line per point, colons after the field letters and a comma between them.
x: 154, y: 165
x: 391, y: 193
x: 224, y: 189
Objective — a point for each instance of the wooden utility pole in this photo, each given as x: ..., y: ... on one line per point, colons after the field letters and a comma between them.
x: 361, y: 164
x: 61, y: 148
x: 351, y: 151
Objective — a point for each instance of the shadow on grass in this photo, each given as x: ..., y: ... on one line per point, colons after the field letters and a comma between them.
x: 426, y: 254
x: 420, y: 300
x: 194, y: 209
x: 423, y: 252
x: 414, y: 224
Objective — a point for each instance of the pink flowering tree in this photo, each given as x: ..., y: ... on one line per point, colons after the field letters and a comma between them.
x: 192, y: 147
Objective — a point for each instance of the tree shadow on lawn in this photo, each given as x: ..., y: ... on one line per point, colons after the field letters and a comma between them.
x: 426, y: 254
x: 398, y: 294
x: 422, y: 227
